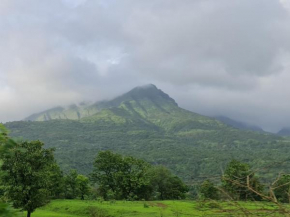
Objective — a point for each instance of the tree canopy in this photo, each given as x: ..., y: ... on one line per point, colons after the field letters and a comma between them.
x: 121, y: 177
x: 166, y: 185
x: 238, y: 179
x: 208, y: 190
x: 27, y: 175
x: 134, y: 179
x: 282, y: 188
x: 5, y: 142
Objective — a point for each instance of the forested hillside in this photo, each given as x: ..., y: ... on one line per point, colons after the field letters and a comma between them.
x: 147, y: 123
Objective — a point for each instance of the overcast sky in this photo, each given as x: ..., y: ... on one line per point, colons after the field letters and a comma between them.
x: 214, y: 57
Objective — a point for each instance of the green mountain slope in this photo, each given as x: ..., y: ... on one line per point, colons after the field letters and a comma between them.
x: 148, y: 124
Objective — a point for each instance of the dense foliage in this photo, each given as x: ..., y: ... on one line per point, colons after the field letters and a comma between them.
x: 238, y: 180
x: 76, y: 185
x: 208, y: 190
x: 165, y: 185
x: 121, y: 177
x: 31, y: 177
x: 282, y: 188
x: 26, y: 175
x: 190, y: 154
x: 5, y: 143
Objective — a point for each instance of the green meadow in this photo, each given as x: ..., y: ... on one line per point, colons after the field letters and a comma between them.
x: 78, y: 208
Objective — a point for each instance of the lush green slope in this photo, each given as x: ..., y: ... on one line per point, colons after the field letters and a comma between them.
x: 148, y: 124
x: 77, y: 208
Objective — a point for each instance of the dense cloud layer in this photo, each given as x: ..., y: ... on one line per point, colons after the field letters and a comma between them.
x: 227, y: 57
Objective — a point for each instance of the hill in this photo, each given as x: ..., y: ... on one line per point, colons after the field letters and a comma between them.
x: 147, y: 123
x: 238, y: 124
x: 284, y: 131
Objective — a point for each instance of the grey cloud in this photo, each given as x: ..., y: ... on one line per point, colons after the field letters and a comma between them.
x: 215, y: 57
x: 235, y: 37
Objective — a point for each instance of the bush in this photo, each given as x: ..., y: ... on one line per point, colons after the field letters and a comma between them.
x: 97, y: 212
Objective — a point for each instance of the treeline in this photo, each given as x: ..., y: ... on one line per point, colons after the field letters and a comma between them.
x: 30, y: 178
x: 129, y: 178
x: 191, y: 154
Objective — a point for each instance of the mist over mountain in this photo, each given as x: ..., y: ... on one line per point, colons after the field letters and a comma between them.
x: 238, y: 124
x: 76, y: 112
x: 149, y: 91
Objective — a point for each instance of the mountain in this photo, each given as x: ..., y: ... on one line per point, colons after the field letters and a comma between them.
x: 146, y: 104
x: 284, y: 131
x: 77, y: 112
x: 147, y: 123
x: 238, y: 124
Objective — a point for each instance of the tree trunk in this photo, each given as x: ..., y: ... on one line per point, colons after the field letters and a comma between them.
x: 28, y: 213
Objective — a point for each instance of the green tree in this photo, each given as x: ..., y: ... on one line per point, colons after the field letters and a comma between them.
x: 167, y: 186
x: 121, y: 177
x: 83, y: 186
x: 107, y: 165
x: 57, y: 184
x: 282, y: 189
x: 208, y: 190
x: 71, y: 185
x: 240, y: 182
x: 5, y: 208
x: 27, y: 175
x: 134, y: 181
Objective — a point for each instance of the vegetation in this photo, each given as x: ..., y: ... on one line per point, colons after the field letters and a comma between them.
x: 30, y: 177
x: 83, y: 186
x: 282, y: 188
x: 166, y: 186
x: 79, y: 208
x: 5, y: 143
x: 26, y: 175
x: 238, y: 178
x: 29, y: 171
x: 209, y: 191
x: 129, y: 178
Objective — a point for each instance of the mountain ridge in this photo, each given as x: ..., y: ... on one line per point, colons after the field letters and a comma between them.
x: 76, y: 112
x: 238, y: 124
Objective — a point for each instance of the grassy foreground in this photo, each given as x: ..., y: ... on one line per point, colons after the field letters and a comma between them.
x: 78, y: 208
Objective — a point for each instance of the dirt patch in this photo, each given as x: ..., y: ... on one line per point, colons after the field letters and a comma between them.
x: 151, y: 204
x: 162, y: 205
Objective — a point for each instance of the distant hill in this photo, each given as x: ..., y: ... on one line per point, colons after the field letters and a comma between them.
x: 147, y: 123
x: 284, y: 131
x: 238, y: 124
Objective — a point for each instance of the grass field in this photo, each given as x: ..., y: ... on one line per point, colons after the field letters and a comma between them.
x: 78, y: 208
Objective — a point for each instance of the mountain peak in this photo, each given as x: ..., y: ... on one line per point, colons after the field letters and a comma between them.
x: 147, y: 86
x: 149, y: 91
